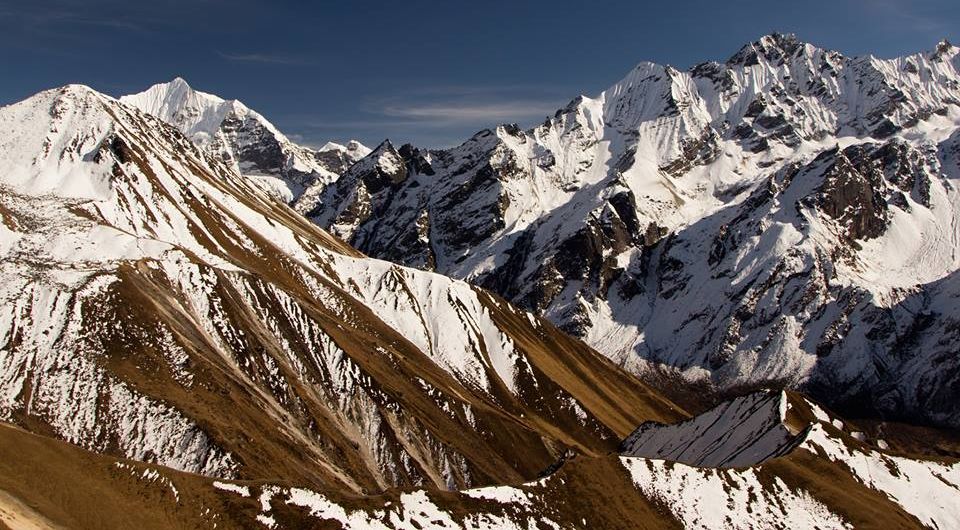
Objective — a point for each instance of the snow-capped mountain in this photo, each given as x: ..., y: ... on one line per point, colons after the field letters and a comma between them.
x: 788, y: 216
x: 176, y: 342
x: 158, y: 306
x: 246, y: 140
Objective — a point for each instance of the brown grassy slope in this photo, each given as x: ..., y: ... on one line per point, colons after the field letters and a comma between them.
x: 73, y: 488
x: 65, y: 486
x: 290, y: 429
x: 831, y: 484
x: 618, y: 399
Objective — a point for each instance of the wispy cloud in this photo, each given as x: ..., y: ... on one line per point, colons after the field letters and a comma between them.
x: 39, y: 18
x: 319, y: 123
x: 434, y: 116
x: 471, y: 111
x: 454, y: 105
x: 483, y: 90
x: 263, y: 58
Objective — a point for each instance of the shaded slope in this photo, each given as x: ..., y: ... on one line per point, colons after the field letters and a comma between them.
x: 743, y: 432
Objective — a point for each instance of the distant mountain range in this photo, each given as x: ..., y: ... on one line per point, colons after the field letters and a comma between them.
x: 183, y: 343
x: 789, y: 216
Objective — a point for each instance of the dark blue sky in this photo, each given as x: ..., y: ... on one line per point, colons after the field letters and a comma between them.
x: 431, y: 72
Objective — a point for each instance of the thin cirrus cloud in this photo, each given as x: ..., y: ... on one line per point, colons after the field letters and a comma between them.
x: 262, y: 58
x: 437, y: 116
x: 460, y: 105
x: 468, y: 112
x: 64, y: 19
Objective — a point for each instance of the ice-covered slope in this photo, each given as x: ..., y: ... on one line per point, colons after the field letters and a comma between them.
x: 787, y: 216
x: 246, y: 140
x: 157, y: 305
x: 743, y: 432
x: 781, y: 435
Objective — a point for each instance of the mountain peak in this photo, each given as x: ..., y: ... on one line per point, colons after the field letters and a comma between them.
x: 175, y: 88
x: 784, y: 41
x: 385, y: 146
x: 176, y: 102
x: 178, y: 82
x: 74, y: 91
x: 773, y: 47
x: 385, y: 159
x: 944, y: 49
x: 353, y: 146
x: 69, y: 126
x: 174, y: 94
x: 331, y: 146
x: 67, y: 99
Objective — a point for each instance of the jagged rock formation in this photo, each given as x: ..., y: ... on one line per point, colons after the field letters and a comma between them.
x: 245, y: 140
x: 787, y: 216
x: 158, y: 306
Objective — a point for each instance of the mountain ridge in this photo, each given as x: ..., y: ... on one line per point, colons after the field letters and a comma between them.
x: 833, y: 476
x: 149, y: 288
x: 608, y: 217
x: 245, y: 139
x: 178, y: 341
